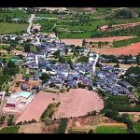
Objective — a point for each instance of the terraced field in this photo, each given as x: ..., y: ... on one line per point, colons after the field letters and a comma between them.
x: 110, y: 130
x: 7, y: 28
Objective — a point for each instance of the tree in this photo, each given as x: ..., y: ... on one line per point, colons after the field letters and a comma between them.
x: 19, y: 123
x: 55, y: 31
x: 10, y: 120
x: 124, y: 13
x: 27, y: 48
x: 117, y: 65
x: 57, y: 53
x: 66, y: 51
x: 11, y: 64
x: 2, y: 119
x: 83, y: 42
x: 99, y: 45
x: 45, y: 76
x: 91, y: 131
x: 25, y: 122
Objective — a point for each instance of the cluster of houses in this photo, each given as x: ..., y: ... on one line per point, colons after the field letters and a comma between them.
x: 70, y: 75
x: 108, y: 79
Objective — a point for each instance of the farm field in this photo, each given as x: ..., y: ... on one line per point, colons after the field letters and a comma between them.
x: 110, y: 130
x: 136, y: 128
x: 11, y: 28
x: 10, y: 130
x: 78, y: 42
x: 14, y: 13
x: 31, y: 128
x: 35, y: 109
x: 77, y: 102
x: 133, y: 49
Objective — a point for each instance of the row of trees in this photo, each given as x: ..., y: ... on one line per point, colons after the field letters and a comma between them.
x: 122, y: 32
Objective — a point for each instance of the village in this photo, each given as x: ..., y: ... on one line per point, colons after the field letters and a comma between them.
x: 54, y: 82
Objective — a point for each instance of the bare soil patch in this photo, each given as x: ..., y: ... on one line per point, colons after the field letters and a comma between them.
x: 108, y: 39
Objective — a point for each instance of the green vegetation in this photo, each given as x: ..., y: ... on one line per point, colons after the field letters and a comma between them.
x: 10, y: 120
x: 75, y: 131
x: 82, y: 59
x: 134, y: 81
x: 120, y: 103
x: 8, y: 15
x: 126, y: 42
x: 133, y: 31
x: 110, y: 130
x: 123, y: 13
x: 103, y: 9
x: 46, y: 25
x: 10, y: 130
x: 136, y: 127
x: 11, y: 28
x: 48, y: 113
x: 2, y: 119
x: 63, y: 125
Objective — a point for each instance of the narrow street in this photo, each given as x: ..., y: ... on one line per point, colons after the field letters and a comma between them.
x: 30, y: 23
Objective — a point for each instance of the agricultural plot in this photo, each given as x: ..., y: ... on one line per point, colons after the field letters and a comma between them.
x: 10, y: 28
x: 110, y: 130
x: 14, y: 14
x: 136, y: 128
x: 10, y: 130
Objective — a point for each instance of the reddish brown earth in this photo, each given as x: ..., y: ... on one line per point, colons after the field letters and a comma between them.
x: 78, y: 102
x: 35, y: 109
x: 108, y: 39
x: 133, y: 49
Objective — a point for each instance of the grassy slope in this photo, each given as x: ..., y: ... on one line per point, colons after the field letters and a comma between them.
x: 7, y: 28
x: 110, y: 129
x: 10, y: 130
x: 136, y: 128
x: 126, y: 42
x: 17, y: 13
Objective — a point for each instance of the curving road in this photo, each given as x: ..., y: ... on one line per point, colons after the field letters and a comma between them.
x: 94, y: 65
x: 30, y: 23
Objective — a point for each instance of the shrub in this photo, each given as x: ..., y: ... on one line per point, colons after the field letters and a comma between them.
x: 25, y: 122
x: 63, y: 125
x: 19, y: 123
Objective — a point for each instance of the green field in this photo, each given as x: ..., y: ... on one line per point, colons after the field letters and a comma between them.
x: 14, y: 13
x: 10, y: 130
x: 9, y: 28
x: 126, y: 42
x: 110, y: 129
x: 136, y: 128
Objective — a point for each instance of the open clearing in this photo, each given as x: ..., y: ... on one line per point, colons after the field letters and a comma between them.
x: 78, y: 42
x: 132, y: 49
x: 75, y: 103
x: 78, y: 102
x: 31, y: 128
x: 35, y: 109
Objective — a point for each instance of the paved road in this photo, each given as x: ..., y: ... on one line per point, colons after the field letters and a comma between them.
x: 30, y: 23
x: 94, y: 65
